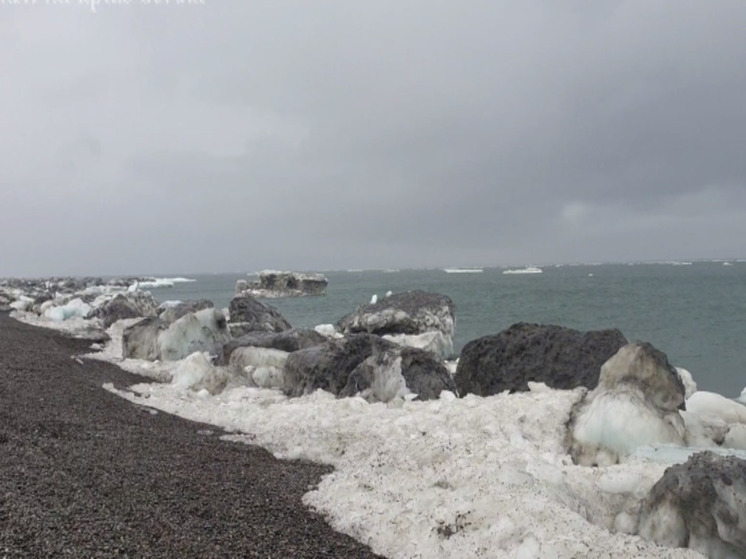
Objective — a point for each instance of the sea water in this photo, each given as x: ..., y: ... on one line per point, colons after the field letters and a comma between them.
x: 694, y: 313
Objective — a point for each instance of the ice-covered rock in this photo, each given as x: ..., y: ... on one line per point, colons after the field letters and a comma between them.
x: 287, y: 341
x: 140, y: 340
x: 700, y: 505
x: 23, y: 303
x: 328, y: 365
x: 154, y: 339
x: 204, y: 330
x: 248, y: 314
x: 174, y: 312
x: 560, y: 357
x: 197, y: 373
x: 337, y: 366
x: 241, y: 286
x: 129, y: 305
x: 273, y: 284
x: 712, y: 419
x: 393, y: 373
x: 410, y: 313
x: 636, y: 403
x: 435, y: 342
x: 192, y: 370
x: 261, y: 366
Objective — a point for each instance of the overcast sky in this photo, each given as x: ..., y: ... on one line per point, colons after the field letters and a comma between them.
x: 333, y: 134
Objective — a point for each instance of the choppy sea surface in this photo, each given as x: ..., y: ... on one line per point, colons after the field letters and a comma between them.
x: 695, y: 313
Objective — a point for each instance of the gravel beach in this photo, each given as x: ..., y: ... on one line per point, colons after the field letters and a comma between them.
x: 84, y: 473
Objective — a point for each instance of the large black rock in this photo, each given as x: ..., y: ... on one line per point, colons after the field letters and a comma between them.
x: 254, y: 316
x: 560, y: 357
x: 700, y: 504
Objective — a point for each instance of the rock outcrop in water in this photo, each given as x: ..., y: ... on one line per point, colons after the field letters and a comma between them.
x: 700, y: 505
x: 248, y: 314
x: 559, y: 357
x: 272, y: 284
x: 636, y: 403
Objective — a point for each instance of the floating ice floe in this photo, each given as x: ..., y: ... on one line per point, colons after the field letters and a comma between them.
x: 162, y: 282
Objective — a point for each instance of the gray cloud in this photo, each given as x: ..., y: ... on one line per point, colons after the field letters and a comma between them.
x: 334, y: 134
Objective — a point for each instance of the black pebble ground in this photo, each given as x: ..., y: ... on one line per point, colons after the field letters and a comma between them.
x: 84, y: 473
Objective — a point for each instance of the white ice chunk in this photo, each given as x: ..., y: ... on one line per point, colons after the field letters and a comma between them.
x: 327, y: 330
x: 709, y: 405
x: 434, y: 341
x: 620, y: 423
x: 192, y: 370
x: 75, y: 308
x: 205, y: 330
x: 690, y: 387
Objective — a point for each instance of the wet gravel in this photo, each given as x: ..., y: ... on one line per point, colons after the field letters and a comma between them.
x: 84, y: 473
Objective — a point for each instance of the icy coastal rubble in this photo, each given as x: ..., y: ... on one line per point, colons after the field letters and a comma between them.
x: 523, y: 470
x: 273, y: 283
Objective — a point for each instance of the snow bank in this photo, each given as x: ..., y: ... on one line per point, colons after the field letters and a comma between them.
x: 467, y: 478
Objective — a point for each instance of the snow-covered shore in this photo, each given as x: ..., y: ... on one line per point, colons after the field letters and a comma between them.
x: 454, y: 477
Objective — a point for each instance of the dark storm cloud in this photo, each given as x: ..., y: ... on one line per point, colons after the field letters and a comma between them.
x: 369, y: 134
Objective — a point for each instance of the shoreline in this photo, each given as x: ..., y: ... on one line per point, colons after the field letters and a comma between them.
x: 86, y: 473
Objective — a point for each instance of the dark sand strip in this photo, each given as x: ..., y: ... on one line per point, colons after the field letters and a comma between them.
x: 84, y: 473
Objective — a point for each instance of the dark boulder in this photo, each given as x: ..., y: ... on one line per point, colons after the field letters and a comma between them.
x: 328, y: 365
x: 140, y: 340
x: 130, y: 305
x: 290, y: 340
x: 172, y: 314
x: 393, y: 372
x: 560, y: 357
x: 700, y: 504
x: 254, y: 316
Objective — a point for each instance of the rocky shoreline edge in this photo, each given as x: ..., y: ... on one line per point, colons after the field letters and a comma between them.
x: 84, y: 473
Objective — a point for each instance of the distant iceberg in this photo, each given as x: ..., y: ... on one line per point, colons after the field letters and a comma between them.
x: 463, y: 270
x: 151, y: 283
x: 526, y: 270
